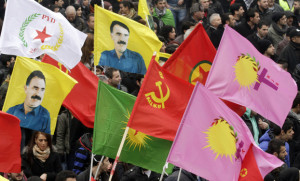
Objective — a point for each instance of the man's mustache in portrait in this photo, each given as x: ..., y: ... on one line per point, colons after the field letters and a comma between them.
x: 36, y: 97
x: 122, y: 42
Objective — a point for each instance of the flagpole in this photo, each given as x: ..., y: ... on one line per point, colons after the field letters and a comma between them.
x: 118, y: 154
x: 163, y: 172
x: 148, y: 22
x: 179, y: 174
x: 91, y: 168
x: 99, y: 165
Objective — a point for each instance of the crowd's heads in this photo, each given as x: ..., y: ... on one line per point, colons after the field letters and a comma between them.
x: 283, y: 64
x: 197, y: 11
x: 266, y: 47
x: 66, y: 175
x: 125, y: 7
x: 204, y: 4
x: 296, y: 102
x: 252, y: 16
x: 215, y: 20
x: 16, y: 176
x: 296, y: 5
x: 287, y: 131
x: 70, y: 13
x: 262, y: 29
x: 160, y: 4
x: 277, y: 148
x: 279, y: 18
x: 108, y: 6
x: 263, y: 4
x: 59, y: 3
x: 186, y: 25
x: 170, y: 49
x: 295, y: 35
x: 41, y: 139
x: 91, y: 21
x: 237, y: 10
x: 228, y: 19
x: 114, y: 76
x: 78, y: 9
x: 168, y: 32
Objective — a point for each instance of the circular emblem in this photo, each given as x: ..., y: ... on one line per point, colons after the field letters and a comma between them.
x: 244, y: 172
x: 200, y: 72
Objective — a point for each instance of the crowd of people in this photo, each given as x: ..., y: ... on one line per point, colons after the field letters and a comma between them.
x: 272, y: 26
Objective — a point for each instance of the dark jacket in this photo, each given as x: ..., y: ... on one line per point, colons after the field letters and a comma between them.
x: 83, y: 154
x: 35, y: 167
x: 291, y: 53
x: 185, y: 176
x: 136, y: 174
x: 244, y: 29
x: 295, y: 142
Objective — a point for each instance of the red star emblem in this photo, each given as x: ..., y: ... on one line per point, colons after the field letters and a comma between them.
x: 42, y: 35
x: 203, y: 75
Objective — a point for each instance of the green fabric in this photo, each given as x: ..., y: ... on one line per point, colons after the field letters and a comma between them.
x: 254, y: 125
x: 112, y: 110
x: 167, y: 18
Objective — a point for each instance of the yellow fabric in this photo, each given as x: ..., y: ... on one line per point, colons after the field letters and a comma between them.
x: 141, y: 39
x: 58, y: 86
x: 165, y: 55
x: 285, y: 5
x: 3, y: 179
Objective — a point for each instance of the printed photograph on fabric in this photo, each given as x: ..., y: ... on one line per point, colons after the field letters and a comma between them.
x: 120, y: 57
x: 31, y: 113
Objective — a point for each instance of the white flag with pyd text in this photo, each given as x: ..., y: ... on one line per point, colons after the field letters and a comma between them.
x: 30, y: 30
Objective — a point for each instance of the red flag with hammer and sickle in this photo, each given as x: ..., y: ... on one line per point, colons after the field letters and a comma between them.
x: 160, y: 104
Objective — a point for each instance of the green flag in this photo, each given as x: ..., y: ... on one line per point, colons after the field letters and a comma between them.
x: 113, y: 110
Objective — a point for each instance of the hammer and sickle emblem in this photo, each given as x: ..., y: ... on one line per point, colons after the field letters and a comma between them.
x: 162, y: 98
x: 60, y: 67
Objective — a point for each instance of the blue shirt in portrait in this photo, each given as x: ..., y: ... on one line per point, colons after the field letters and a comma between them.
x: 130, y: 61
x: 38, y: 119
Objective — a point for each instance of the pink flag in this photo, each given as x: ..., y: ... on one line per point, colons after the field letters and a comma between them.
x: 212, y: 140
x: 242, y: 75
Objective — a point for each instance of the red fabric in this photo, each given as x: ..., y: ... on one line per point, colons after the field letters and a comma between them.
x: 155, y: 120
x: 81, y: 101
x: 249, y: 169
x: 195, y: 49
x: 10, y: 134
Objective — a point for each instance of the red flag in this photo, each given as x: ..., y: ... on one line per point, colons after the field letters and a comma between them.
x: 81, y: 101
x: 249, y: 169
x: 160, y: 104
x: 10, y: 133
x: 193, y: 59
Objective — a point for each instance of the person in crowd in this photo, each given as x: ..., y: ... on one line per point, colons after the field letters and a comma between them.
x: 178, y: 8
x: 164, y: 15
x: 40, y: 159
x: 139, y: 174
x: 274, y: 7
x: 283, y: 43
x: 214, y: 21
x: 266, y: 48
x: 285, y: 134
x: 127, y: 9
x: 90, y: 24
x: 114, y: 78
x: 139, y: 80
x: 263, y: 9
x: 168, y: 32
x: 75, y: 21
x: 260, y: 34
x: 66, y: 175
x: 291, y: 53
x: 237, y: 11
x: 185, y: 26
x: 249, y: 26
x: 87, y: 57
x: 278, y: 28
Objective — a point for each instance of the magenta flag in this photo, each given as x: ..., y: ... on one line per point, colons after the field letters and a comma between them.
x: 212, y: 140
x: 242, y: 75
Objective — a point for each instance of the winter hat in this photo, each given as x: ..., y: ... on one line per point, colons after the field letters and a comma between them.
x: 263, y: 45
x: 276, y: 16
x: 294, y: 32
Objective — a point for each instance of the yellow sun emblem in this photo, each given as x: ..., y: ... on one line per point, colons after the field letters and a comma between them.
x: 221, y: 139
x: 135, y: 138
x: 246, y: 69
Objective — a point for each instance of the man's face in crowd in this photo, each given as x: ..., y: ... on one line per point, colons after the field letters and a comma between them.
x: 160, y: 5
x: 199, y: 15
x: 60, y: 3
x: 263, y: 31
x: 288, y: 135
x: 282, y: 153
x: 270, y: 3
x: 85, y: 2
x: 263, y: 4
x: 231, y: 21
x: 91, y: 22
x: 120, y: 37
x: 296, y: 5
x: 34, y: 92
x: 116, y: 79
x: 16, y: 176
x: 282, y: 20
x: 256, y: 19
x: 205, y: 4
x: 71, y: 16
x: 296, y: 39
x: 216, y: 22
x: 271, y: 50
x: 241, y: 11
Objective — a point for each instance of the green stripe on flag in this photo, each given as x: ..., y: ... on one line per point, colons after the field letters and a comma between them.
x: 113, y: 109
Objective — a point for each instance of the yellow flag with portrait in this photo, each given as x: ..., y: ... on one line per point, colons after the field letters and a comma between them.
x: 35, y: 94
x: 122, y: 43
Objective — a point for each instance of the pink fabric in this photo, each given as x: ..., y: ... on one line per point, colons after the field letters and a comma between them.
x: 188, y: 150
x: 272, y: 97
